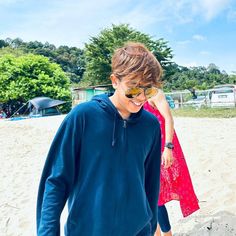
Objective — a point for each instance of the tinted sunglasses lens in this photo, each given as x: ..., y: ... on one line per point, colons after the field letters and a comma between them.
x: 150, y: 92
x: 133, y: 92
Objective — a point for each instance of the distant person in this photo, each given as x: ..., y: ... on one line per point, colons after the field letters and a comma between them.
x: 105, y: 158
x: 3, y: 115
x: 193, y: 92
x: 175, y: 181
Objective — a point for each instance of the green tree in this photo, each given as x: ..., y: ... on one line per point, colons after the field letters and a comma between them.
x: 232, y: 78
x: 3, y: 43
x: 212, y: 68
x: 99, y: 51
x: 9, y: 50
x: 29, y: 76
x: 72, y: 62
x: 71, y: 59
x: 201, y: 78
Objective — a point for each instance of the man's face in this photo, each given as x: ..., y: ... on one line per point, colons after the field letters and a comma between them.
x: 126, y: 105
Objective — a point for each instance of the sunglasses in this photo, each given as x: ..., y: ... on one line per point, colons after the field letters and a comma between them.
x: 136, y: 91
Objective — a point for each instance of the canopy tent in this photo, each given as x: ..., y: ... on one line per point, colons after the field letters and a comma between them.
x: 44, y: 102
x: 44, y: 106
x: 40, y: 106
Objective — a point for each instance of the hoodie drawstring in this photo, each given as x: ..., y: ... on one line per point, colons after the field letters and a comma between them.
x: 114, y: 132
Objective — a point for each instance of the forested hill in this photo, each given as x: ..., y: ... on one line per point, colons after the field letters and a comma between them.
x: 91, y: 65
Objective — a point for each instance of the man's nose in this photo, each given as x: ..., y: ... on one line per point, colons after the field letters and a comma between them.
x: 142, y: 96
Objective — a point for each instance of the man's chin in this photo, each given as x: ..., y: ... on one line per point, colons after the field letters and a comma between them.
x: 135, y: 110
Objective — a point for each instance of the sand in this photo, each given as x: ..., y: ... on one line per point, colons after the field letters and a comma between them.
x: 209, y: 147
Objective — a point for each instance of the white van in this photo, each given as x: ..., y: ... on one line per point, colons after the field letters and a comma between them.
x: 223, y: 96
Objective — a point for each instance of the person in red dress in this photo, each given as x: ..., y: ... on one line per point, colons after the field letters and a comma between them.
x: 175, y: 180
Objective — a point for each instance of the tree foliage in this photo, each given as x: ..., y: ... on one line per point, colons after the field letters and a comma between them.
x: 93, y: 63
x: 180, y: 78
x: 28, y: 76
x: 71, y: 59
x: 99, y: 51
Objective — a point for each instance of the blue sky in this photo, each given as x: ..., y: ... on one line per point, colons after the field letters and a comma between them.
x: 199, y: 31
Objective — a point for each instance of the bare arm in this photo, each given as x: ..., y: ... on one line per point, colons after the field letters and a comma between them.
x: 160, y: 102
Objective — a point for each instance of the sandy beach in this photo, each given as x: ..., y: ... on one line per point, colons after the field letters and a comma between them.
x: 210, y: 151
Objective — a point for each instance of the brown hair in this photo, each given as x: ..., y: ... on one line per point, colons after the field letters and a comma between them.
x: 135, y: 62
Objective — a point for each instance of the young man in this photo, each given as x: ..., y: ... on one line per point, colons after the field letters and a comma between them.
x: 105, y: 158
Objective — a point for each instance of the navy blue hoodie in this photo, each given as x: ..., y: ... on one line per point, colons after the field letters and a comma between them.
x: 107, y: 168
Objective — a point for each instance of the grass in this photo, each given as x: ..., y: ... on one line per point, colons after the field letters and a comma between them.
x: 205, y: 112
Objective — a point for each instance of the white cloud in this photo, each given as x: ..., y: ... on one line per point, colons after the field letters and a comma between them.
x: 211, y: 9
x: 70, y: 22
x: 186, y: 11
x: 198, y: 37
x: 175, y: 12
x: 74, y: 22
x: 136, y: 17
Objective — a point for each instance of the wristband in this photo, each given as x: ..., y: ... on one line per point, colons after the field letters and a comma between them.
x: 169, y: 145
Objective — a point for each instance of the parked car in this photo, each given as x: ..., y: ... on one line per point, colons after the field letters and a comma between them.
x: 198, y: 102
x: 233, y: 86
x: 223, y: 97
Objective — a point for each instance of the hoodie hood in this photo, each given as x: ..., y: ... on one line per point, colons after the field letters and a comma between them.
x: 106, y: 104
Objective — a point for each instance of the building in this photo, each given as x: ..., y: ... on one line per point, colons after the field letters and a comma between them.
x: 83, y: 94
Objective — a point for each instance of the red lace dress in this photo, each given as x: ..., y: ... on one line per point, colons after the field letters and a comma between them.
x: 175, y: 181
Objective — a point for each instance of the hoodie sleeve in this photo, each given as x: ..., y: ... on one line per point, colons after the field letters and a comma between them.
x: 58, y: 176
x: 152, y: 178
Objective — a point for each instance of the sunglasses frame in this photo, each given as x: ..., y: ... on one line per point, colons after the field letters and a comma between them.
x: 141, y: 89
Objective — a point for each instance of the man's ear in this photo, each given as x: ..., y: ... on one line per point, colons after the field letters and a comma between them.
x: 114, y: 81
